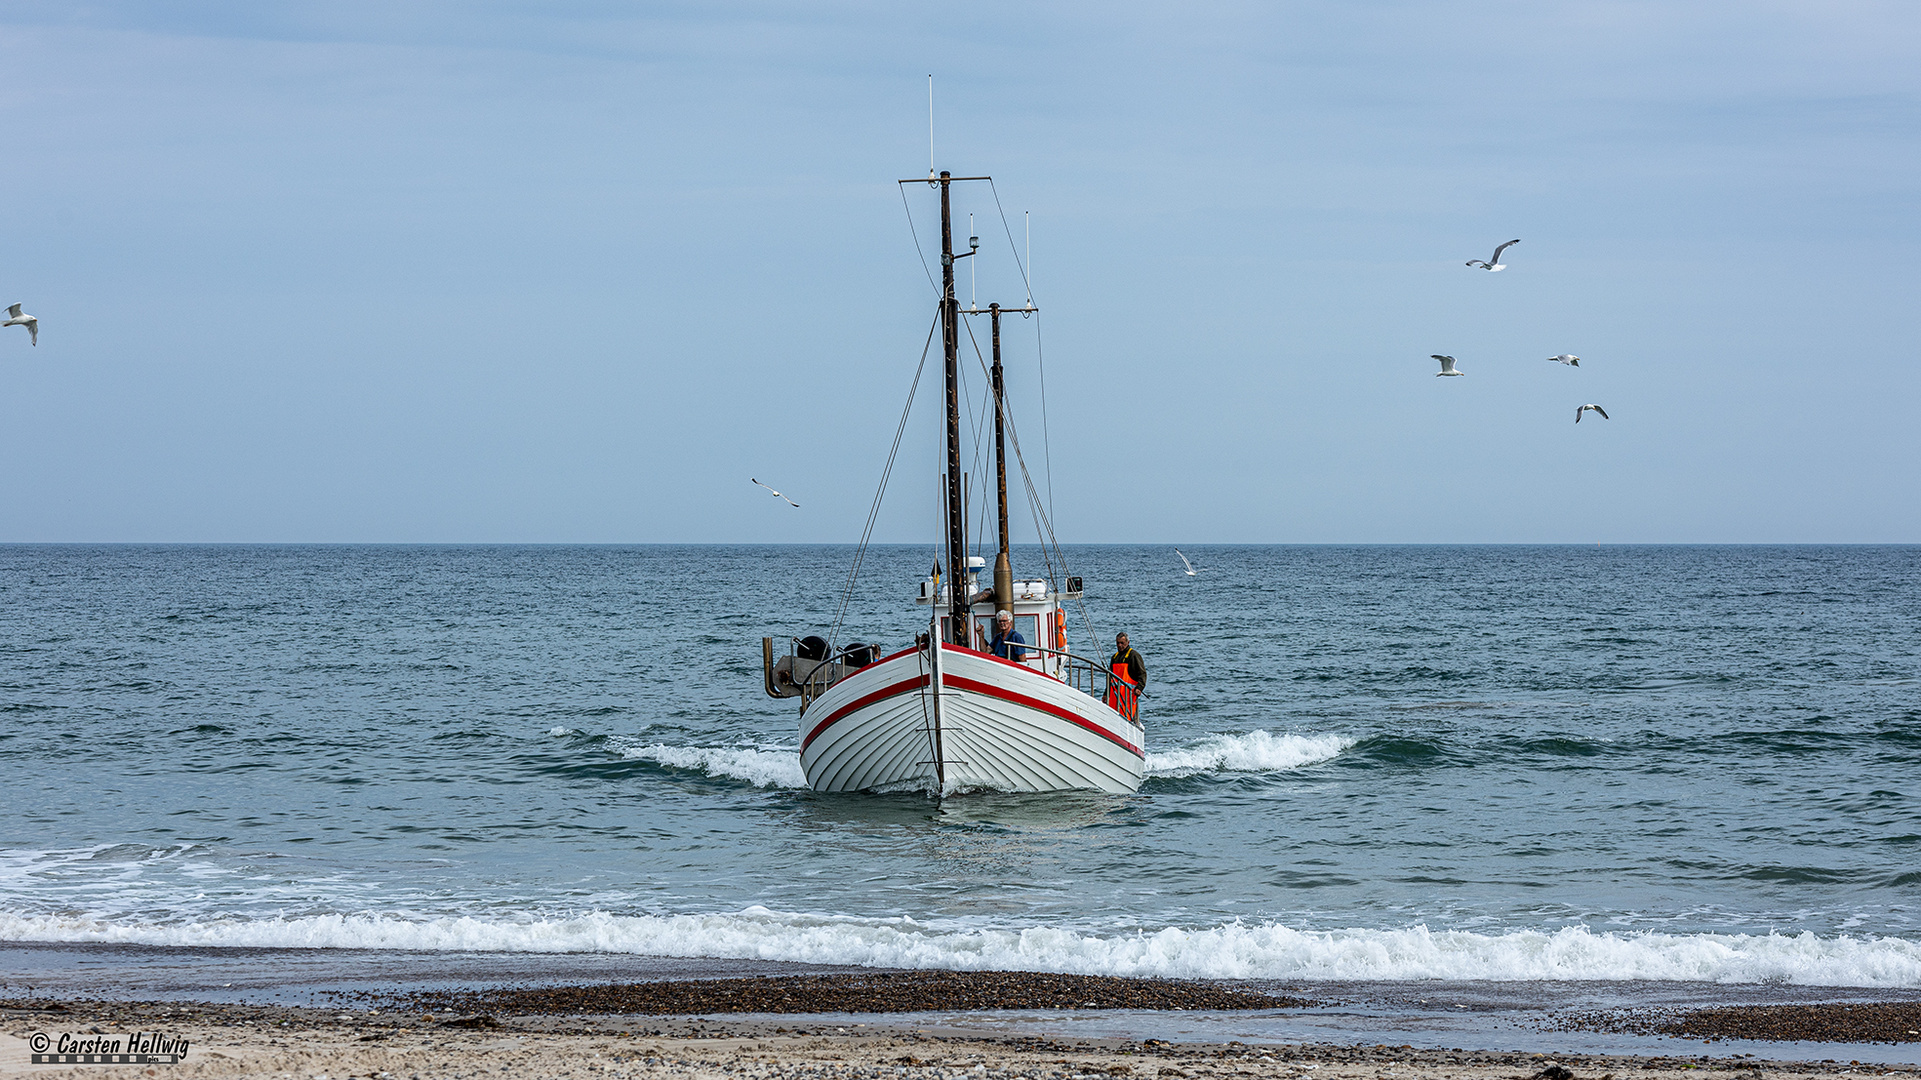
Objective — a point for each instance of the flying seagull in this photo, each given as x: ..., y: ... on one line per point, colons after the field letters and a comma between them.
x: 15, y: 318
x: 1495, y: 263
x: 789, y: 502
x: 1569, y: 359
x: 1447, y: 366
x: 1190, y: 566
x: 1584, y: 408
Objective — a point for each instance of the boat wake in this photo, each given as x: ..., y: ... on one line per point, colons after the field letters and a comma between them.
x: 1254, y: 752
x: 768, y: 767
x: 1234, y: 950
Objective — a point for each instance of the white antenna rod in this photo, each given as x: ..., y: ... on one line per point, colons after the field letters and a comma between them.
x: 930, y: 127
x: 1028, y: 217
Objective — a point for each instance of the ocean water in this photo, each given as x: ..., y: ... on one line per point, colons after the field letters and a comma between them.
x: 1696, y: 764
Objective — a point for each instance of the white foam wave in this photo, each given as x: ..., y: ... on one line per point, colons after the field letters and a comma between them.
x: 1235, y: 950
x: 1256, y: 751
x: 778, y: 768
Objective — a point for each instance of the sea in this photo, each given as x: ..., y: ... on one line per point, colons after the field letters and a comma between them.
x: 1403, y: 767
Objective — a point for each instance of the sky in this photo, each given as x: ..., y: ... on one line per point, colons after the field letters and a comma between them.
x: 574, y: 272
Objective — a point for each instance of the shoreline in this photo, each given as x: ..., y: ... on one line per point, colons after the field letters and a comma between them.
x: 276, y: 1001
x: 241, y: 1040
x: 923, y: 1025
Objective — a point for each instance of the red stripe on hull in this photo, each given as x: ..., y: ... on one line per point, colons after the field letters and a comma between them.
x: 885, y: 692
x: 989, y: 689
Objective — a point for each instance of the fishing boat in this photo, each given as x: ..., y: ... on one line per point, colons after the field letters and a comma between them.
x: 946, y: 714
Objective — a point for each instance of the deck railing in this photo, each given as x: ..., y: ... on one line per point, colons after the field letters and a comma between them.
x: 1090, y: 677
x: 1095, y: 680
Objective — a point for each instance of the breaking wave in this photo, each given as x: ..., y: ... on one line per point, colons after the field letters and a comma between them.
x: 776, y: 768
x: 1232, y: 951
x: 1256, y: 751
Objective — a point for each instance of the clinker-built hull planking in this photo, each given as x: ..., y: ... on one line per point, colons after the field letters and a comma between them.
x: 1002, y: 726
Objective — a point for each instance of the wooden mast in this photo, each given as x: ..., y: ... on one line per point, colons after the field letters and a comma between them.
x: 1003, y: 568
x: 959, y: 603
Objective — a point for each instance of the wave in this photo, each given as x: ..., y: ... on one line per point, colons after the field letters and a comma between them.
x: 1256, y: 751
x: 776, y: 768
x: 1231, y: 951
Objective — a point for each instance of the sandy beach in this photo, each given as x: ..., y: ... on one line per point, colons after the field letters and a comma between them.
x: 543, y: 1037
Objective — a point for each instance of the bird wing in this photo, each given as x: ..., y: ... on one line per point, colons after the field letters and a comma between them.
x: 1184, y: 562
x: 1447, y: 362
x: 14, y: 311
x: 1578, y: 412
x: 1598, y: 409
x: 1503, y: 247
x: 778, y: 495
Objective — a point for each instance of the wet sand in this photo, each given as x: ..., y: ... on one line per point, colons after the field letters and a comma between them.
x: 561, y: 1031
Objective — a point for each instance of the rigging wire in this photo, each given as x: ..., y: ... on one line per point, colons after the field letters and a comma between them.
x: 1009, y: 230
x: 1043, y: 523
x: 1040, y: 517
x: 980, y: 441
x: 916, y: 234
x: 1047, y: 449
x: 873, y: 513
x: 1040, y: 507
x: 1047, y: 446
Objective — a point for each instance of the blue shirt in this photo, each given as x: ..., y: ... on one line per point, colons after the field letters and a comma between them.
x: 1010, y: 646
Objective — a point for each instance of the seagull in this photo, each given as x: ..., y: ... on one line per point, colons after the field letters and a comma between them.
x: 1447, y: 366
x: 1190, y: 566
x: 1569, y: 359
x: 1584, y: 408
x: 1494, y: 263
x: 15, y: 318
x: 789, y: 502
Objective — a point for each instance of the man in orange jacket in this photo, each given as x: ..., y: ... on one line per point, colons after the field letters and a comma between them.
x: 1125, y: 664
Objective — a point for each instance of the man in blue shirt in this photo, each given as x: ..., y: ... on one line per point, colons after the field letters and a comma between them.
x: 1008, y: 642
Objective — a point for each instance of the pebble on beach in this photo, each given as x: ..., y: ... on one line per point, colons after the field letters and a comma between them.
x: 891, y: 992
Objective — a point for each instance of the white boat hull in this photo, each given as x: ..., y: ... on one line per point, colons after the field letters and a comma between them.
x: 1001, y: 726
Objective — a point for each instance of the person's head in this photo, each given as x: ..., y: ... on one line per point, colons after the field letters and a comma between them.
x: 1005, y: 619
x: 1120, y: 640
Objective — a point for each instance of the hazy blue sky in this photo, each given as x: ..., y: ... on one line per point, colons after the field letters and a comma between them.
x: 575, y: 271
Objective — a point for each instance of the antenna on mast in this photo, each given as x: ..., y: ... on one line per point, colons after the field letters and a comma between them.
x: 1027, y: 217
x: 930, y: 127
x: 974, y: 242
